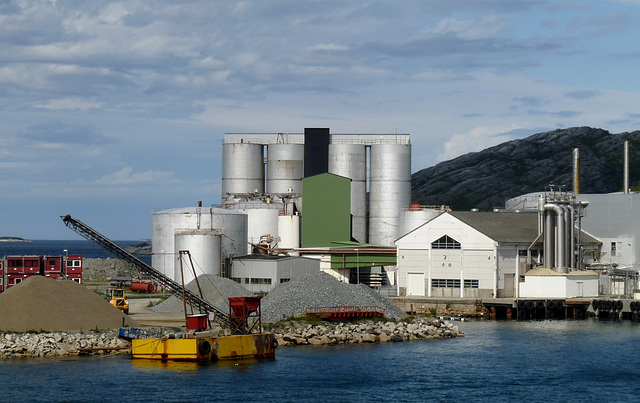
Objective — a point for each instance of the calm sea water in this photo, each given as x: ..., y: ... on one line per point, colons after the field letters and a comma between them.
x: 56, y: 248
x: 538, y: 361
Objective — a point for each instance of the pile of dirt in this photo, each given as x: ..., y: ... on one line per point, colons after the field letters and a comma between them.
x: 44, y: 304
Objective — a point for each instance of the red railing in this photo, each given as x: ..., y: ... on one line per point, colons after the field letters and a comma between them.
x: 345, y: 312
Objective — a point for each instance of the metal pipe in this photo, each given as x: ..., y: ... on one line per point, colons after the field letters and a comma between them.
x: 548, y: 243
x: 576, y: 170
x: 560, y: 252
x: 626, y: 167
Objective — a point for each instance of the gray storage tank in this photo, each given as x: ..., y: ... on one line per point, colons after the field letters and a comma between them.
x: 285, y: 168
x: 242, y: 168
x: 389, y: 191
x: 350, y: 161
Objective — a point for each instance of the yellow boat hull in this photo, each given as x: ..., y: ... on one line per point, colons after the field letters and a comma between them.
x: 206, y: 348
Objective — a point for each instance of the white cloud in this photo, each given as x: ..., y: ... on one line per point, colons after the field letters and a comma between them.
x: 482, y: 28
x: 126, y: 176
x: 477, y: 139
x: 69, y: 104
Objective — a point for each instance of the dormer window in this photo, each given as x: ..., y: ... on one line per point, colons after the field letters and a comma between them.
x: 445, y: 242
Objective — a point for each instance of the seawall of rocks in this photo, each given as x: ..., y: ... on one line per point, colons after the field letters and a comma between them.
x: 303, y: 333
x: 17, y: 345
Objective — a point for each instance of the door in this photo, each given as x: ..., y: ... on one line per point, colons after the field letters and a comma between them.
x: 415, y: 284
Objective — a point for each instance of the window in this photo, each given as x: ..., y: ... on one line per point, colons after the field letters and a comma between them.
x: 285, y: 280
x: 522, y: 252
x: 260, y: 281
x: 445, y: 283
x: 52, y: 262
x: 15, y: 263
x: 445, y: 242
x: 453, y: 283
x: 17, y: 281
x: 613, y: 248
x: 237, y: 280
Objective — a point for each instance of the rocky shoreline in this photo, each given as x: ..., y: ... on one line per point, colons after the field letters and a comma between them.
x: 288, y: 333
x: 21, y: 345
x: 326, y: 333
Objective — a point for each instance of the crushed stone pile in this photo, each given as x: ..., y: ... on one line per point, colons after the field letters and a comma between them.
x: 44, y: 304
x: 104, y: 269
x: 216, y: 290
x: 321, y: 290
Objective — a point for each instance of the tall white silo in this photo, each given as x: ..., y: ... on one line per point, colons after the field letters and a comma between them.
x: 231, y: 224
x: 285, y: 168
x: 204, y: 246
x: 389, y: 191
x: 350, y: 161
x: 242, y: 168
x: 288, y: 230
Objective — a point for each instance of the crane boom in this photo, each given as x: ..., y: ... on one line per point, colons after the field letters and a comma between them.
x: 109, y: 246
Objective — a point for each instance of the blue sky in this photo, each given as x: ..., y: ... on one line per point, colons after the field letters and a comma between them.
x: 113, y: 109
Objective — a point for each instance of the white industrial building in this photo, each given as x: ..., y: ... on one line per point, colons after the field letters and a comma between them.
x: 260, y: 273
x: 467, y: 255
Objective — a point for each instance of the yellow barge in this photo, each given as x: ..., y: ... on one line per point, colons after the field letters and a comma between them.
x: 204, y: 349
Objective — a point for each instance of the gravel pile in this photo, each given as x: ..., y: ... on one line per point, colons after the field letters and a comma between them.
x: 104, y: 269
x: 318, y: 290
x: 44, y: 304
x: 216, y: 290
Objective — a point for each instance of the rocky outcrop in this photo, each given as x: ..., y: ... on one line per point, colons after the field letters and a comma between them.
x: 302, y: 333
x: 485, y: 179
x: 19, y: 345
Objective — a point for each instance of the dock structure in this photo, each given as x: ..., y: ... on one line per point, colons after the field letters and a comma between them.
x: 603, y: 307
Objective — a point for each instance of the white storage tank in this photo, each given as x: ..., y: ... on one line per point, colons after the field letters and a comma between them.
x: 262, y: 219
x: 285, y: 168
x: 242, y: 168
x: 415, y: 216
x: 231, y: 224
x: 389, y: 191
x: 204, y: 246
x: 288, y: 230
x: 350, y: 161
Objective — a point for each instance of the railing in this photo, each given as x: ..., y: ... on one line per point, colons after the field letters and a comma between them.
x: 345, y: 312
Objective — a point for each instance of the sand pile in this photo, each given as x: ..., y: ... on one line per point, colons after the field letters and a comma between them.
x: 43, y: 304
x: 216, y: 290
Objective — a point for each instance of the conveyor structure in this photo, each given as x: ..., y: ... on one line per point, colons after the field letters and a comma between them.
x: 176, y: 289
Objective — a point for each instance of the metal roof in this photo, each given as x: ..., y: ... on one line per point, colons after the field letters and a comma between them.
x: 508, y: 227
x: 502, y: 226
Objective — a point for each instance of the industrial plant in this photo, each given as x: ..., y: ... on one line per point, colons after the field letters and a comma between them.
x: 298, y: 203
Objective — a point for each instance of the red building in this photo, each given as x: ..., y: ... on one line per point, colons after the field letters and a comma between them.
x: 73, y: 268
x: 15, y: 269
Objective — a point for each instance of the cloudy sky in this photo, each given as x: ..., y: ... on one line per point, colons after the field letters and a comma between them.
x: 110, y: 110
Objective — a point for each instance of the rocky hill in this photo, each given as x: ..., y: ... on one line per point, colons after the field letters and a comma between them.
x: 485, y: 179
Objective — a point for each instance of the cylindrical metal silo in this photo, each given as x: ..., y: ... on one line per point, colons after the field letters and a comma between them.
x: 242, y: 168
x: 204, y: 246
x: 288, y: 231
x: 231, y: 224
x: 262, y: 219
x: 389, y: 190
x: 350, y: 161
x: 412, y: 219
x: 285, y: 168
